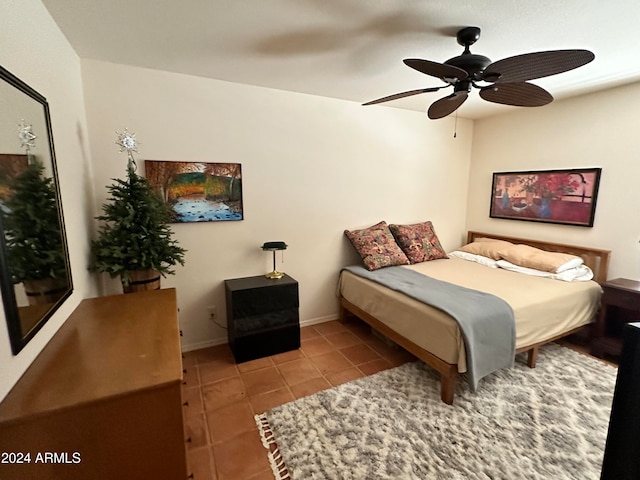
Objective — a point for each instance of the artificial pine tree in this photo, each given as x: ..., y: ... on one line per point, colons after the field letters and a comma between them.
x: 32, y: 228
x: 134, y: 234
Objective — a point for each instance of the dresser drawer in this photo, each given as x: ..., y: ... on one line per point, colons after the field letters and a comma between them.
x: 258, y: 301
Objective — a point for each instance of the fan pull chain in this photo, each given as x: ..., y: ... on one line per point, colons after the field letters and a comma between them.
x: 455, y: 126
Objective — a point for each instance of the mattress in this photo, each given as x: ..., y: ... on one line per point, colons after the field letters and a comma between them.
x: 543, y: 308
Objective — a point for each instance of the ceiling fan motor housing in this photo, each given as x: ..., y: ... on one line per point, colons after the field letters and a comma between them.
x: 473, y: 64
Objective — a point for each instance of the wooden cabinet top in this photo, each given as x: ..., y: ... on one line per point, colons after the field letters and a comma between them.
x: 109, y: 346
x: 260, y: 281
x: 623, y: 284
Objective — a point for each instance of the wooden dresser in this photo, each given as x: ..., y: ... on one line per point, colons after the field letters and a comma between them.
x: 102, y: 401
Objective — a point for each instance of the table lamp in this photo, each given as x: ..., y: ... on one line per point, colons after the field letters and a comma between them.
x: 274, y: 247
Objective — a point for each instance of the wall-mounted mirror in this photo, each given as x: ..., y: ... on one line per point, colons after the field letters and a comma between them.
x: 35, y: 277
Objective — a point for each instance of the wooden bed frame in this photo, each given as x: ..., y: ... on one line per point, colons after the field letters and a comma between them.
x: 595, y: 258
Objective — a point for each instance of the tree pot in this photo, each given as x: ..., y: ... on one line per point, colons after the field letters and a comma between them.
x: 142, y: 280
x: 46, y: 290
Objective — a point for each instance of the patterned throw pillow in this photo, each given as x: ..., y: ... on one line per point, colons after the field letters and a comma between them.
x: 418, y: 241
x: 377, y: 246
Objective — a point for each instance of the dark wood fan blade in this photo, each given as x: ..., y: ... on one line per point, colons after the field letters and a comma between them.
x: 445, y: 106
x: 447, y: 73
x: 403, y: 94
x: 536, y: 65
x: 521, y: 94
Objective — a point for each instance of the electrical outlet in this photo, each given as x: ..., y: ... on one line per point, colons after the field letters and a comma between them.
x: 212, y: 312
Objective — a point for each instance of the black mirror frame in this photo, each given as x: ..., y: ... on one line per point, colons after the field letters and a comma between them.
x: 17, y: 338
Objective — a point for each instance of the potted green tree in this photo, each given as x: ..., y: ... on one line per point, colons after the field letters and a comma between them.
x: 134, y: 239
x: 33, y: 237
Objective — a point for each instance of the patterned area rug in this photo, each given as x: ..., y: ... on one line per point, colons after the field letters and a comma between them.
x: 545, y: 423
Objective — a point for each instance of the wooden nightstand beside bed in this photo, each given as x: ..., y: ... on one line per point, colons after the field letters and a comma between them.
x: 620, y: 305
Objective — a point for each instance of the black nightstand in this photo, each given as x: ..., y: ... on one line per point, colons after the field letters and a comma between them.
x: 262, y: 316
x: 620, y: 305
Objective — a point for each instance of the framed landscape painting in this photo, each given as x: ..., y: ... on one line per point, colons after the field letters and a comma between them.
x: 10, y: 167
x: 552, y: 196
x: 198, y: 191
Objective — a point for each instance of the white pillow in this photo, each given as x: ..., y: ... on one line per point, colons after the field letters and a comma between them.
x: 581, y: 273
x: 573, y: 263
x: 472, y: 257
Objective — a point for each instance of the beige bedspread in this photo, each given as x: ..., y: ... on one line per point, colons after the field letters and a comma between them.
x: 543, y: 308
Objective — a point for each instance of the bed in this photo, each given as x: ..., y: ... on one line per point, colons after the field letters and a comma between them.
x: 545, y: 310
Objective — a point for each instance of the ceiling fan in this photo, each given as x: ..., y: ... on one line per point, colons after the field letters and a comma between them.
x: 504, y: 81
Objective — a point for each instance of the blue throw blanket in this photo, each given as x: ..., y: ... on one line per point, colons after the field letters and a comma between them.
x: 486, y: 321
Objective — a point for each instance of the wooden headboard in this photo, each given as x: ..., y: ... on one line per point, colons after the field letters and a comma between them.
x: 594, y: 258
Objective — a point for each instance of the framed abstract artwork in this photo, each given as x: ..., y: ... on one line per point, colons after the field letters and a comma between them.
x: 198, y: 191
x: 565, y: 197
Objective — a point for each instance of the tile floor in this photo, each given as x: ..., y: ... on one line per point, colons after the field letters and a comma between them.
x: 224, y: 396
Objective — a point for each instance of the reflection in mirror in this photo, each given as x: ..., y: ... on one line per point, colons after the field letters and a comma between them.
x: 35, y: 277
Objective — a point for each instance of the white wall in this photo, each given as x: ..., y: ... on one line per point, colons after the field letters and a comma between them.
x: 596, y: 130
x: 33, y: 48
x: 311, y: 167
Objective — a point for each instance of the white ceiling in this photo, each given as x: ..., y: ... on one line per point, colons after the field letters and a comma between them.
x: 352, y: 49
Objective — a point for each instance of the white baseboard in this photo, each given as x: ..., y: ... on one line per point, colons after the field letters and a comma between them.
x: 315, y: 321
x: 222, y: 340
x: 200, y: 345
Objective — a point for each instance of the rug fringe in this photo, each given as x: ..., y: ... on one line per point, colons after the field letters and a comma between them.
x: 279, y: 469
